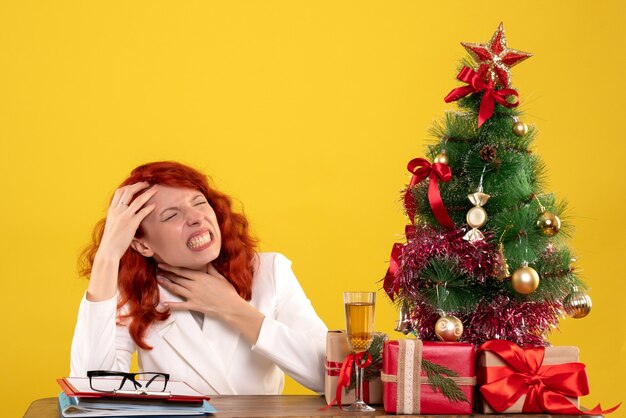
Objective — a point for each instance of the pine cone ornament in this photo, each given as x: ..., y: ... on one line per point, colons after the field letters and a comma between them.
x: 488, y: 154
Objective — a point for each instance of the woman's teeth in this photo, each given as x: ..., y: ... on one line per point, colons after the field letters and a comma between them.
x: 199, y: 240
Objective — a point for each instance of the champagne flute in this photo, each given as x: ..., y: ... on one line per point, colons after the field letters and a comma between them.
x: 360, y: 329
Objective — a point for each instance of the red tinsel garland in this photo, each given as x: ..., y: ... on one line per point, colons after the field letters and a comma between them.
x: 503, y: 317
x: 477, y: 259
x: 521, y: 322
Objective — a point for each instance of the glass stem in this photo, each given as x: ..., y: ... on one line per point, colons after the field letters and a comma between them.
x: 358, y: 390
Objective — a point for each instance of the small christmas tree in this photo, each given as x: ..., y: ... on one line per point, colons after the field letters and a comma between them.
x: 485, y: 256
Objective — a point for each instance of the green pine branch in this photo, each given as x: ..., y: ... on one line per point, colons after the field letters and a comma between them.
x: 439, y: 380
x: 443, y: 275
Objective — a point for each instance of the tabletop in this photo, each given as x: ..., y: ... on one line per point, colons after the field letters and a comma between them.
x: 269, y: 406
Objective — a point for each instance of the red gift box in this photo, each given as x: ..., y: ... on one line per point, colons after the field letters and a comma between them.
x: 406, y: 387
x: 532, y: 380
x: 337, y: 349
x: 491, y: 368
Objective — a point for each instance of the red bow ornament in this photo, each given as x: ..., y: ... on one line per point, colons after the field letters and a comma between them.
x: 353, y: 359
x: 391, y: 282
x: 546, y: 386
x: 476, y: 83
x: 421, y: 169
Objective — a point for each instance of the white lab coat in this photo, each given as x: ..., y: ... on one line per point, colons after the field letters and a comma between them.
x: 215, y: 359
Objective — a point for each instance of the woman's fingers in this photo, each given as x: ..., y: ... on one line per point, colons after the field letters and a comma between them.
x: 123, y: 217
x: 173, y: 286
x: 127, y: 193
x: 177, y: 306
x: 171, y: 276
x: 116, y: 197
x: 145, y: 211
x: 209, y: 293
x: 143, y: 198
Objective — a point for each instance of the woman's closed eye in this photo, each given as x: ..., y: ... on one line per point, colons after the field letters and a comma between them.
x: 198, y: 200
x: 169, y: 216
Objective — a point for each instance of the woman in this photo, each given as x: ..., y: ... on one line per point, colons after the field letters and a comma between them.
x: 174, y: 275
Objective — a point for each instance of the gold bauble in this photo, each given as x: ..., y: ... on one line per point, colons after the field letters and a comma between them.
x: 520, y: 128
x: 476, y: 217
x: 525, y: 280
x: 577, y: 304
x: 548, y: 223
x: 449, y: 328
x: 441, y: 158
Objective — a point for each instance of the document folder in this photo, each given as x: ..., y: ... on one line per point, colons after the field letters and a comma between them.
x: 71, y: 407
x: 176, y: 391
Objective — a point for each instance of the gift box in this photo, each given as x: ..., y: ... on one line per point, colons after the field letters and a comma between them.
x: 428, y: 377
x: 337, y: 350
x: 529, y: 380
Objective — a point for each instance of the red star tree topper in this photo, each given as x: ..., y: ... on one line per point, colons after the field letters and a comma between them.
x: 495, y: 58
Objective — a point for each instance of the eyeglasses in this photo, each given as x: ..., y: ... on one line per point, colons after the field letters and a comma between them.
x: 144, y: 383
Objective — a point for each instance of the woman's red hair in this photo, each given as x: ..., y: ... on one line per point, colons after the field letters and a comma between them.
x: 137, y: 285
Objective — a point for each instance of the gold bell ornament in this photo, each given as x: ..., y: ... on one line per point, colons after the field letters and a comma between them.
x: 476, y: 216
x: 525, y: 279
x: 404, y: 324
x: 449, y: 328
x: 503, y: 271
x: 577, y: 304
x: 519, y: 127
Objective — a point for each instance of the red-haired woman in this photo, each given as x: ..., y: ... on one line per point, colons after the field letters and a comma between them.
x: 174, y: 275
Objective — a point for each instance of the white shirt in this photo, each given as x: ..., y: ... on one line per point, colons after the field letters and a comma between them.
x: 214, y: 359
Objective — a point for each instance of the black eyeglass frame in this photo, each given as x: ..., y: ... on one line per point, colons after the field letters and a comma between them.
x: 132, y: 377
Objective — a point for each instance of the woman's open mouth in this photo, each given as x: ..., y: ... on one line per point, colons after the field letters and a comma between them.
x: 200, y: 242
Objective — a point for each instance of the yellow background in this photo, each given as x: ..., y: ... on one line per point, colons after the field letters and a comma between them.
x: 306, y: 111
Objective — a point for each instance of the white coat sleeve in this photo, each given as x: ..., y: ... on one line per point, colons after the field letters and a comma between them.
x: 295, y: 339
x: 99, y: 343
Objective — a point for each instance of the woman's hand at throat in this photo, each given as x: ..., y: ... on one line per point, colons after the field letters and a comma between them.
x: 213, y: 295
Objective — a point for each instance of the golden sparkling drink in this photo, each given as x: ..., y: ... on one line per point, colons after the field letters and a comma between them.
x: 360, y: 324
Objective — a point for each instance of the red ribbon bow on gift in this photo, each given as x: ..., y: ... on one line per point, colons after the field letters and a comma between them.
x: 421, y: 168
x: 353, y: 359
x: 545, y: 387
x: 476, y: 83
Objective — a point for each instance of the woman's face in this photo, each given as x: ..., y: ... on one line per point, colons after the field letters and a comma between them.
x: 181, y: 231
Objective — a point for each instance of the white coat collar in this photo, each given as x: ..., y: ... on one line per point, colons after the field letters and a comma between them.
x: 209, y: 351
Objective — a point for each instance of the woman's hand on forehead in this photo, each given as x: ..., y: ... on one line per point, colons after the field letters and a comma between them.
x: 124, y: 217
